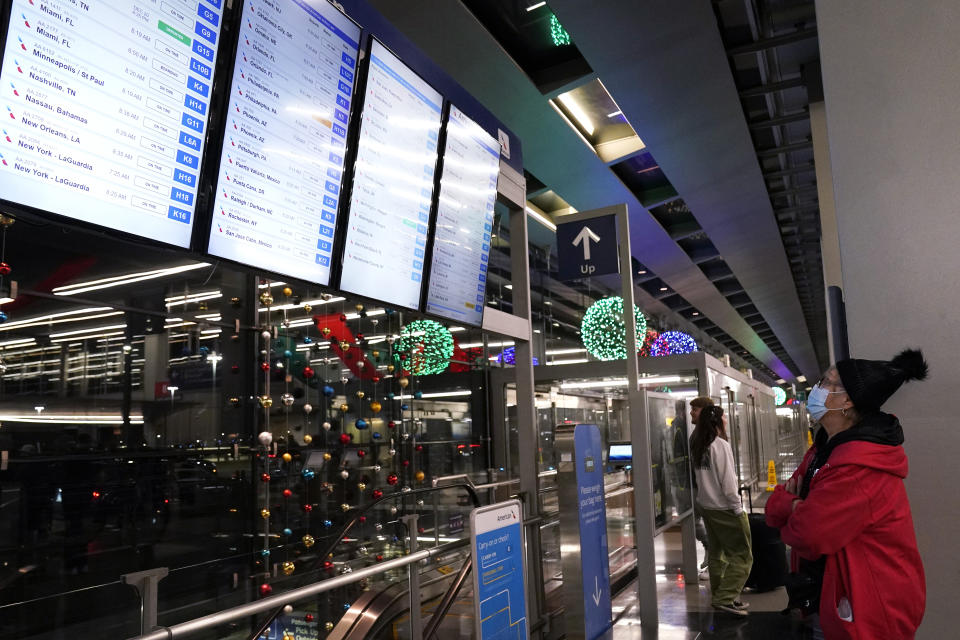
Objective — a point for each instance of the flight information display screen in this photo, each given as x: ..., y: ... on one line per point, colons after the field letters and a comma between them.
x: 281, y: 165
x: 461, y: 243
x: 105, y: 111
x: 386, y: 239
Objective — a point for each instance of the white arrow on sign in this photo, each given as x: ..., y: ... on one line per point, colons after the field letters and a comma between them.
x: 585, y: 236
x: 596, y: 587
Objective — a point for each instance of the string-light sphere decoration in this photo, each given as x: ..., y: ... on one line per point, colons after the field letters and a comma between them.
x: 425, y: 347
x: 603, y: 330
x: 651, y: 337
x: 779, y: 395
x: 558, y: 34
x: 671, y: 343
x: 509, y: 356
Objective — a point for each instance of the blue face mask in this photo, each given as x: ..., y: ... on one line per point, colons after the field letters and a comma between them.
x: 816, y: 406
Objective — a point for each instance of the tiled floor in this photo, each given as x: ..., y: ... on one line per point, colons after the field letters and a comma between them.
x: 686, y: 614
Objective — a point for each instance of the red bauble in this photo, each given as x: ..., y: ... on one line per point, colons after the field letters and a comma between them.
x: 308, y: 372
x: 328, y: 565
x: 406, y: 463
x: 421, y: 530
x: 265, y: 477
x: 343, y: 317
x: 363, y: 518
x: 392, y: 424
x: 265, y: 589
x: 235, y: 368
x: 419, y: 447
x: 376, y: 378
x: 392, y: 479
x: 379, y: 558
x: 308, y: 617
x: 361, y: 453
x: 308, y: 508
x: 345, y: 438
x: 264, y: 366
x: 359, y: 336
x: 377, y: 494
x: 4, y: 269
x: 287, y: 493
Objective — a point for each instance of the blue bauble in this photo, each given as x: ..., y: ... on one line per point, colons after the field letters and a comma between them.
x: 265, y: 553
x: 376, y: 435
x: 307, y: 473
x: 404, y: 407
x: 287, y: 353
x: 418, y: 394
x: 361, y: 424
x: 327, y: 524
x: 391, y: 395
x: 3, y: 316
x: 328, y: 391
x: 204, y: 350
x: 288, y: 531
x: 346, y: 606
x: 308, y: 340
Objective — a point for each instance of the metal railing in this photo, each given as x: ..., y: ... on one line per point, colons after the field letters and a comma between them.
x: 282, y: 600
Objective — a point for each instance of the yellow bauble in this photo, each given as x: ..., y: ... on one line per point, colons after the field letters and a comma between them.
x: 361, y: 486
x: 419, y: 476
x: 375, y: 354
x: 307, y: 308
x: 344, y: 345
x: 359, y: 308
x: 287, y: 457
x: 287, y: 291
x: 266, y: 402
x: 264, y: 513
x: 344, y: 507
x: 360, y: 394
x: 375, y: 406
x: 390, y: 368
x: 327, y: 457
x: 404, y: 382
x: 344, y: 407
x: 266, y: 298
x: 307, y: 439
x: 287, y: 568
x: 308, y: 541
x: 328, y: 626
x: 325, y: 331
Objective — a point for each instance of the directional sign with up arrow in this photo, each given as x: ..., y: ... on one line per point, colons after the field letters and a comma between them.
x: 588, y: 247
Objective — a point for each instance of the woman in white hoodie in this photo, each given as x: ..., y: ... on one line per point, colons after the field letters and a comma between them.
x: 730, y: 555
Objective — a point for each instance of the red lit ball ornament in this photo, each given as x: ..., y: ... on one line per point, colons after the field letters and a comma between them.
x: 345, y: 438
x: 328, y: 565
x: 308, y: 372
x: 4, y: 269
x: 265, y: 477
x: 392, y: 424
x: 287, y: 493
x: 265, y: 589
x: 264, y: 366
x: 377, y: 494
x: 308, y: 617
x: 392, y: 479
x: 308, y: 508
x: 361, y: 453
x: 406, y: 463
x: 379, y: 558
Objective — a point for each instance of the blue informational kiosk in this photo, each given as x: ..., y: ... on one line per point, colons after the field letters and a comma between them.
x: 496, y: 536
x: 583, y: 531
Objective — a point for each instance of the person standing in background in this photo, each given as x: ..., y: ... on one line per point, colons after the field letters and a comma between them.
x: 696, y: 406
x: 730, y: 551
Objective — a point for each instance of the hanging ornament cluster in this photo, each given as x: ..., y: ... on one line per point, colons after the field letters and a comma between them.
x: 425, y: 347
x: 673, y: 343
x: 603, y: 330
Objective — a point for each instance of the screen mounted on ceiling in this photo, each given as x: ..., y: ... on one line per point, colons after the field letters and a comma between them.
x: 281, y: 165
x: 387, y: 230
x: 462, y: 236
x: 105, y: 109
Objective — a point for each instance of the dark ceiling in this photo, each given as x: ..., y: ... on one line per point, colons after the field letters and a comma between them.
x: 723, y: 197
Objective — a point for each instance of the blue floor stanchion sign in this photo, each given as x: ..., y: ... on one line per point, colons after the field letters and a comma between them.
x: 583, y: 531
x: 496, y: 534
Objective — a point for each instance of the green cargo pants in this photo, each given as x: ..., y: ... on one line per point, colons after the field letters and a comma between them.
x: 730, y: 554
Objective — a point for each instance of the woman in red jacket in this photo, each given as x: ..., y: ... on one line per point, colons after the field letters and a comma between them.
x: 845, y: 511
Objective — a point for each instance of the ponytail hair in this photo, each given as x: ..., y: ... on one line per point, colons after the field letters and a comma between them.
x: 709, y: 426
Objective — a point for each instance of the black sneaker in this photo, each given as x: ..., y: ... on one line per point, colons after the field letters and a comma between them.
x: 731, y: 609
x: 739, y: 604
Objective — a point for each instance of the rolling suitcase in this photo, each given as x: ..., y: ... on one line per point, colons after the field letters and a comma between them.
x: 770, y: 568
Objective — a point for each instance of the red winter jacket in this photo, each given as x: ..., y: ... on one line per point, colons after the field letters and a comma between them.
x: 857, y: 515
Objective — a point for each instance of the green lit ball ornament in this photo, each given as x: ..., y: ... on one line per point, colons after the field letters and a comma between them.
x: 425, y: 347
x: 603, y: 330
x: 779, y: 395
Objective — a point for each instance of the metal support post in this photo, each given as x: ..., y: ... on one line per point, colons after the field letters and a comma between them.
x: 413, y: 578
x: 146, y: 584
x: 640, y: 440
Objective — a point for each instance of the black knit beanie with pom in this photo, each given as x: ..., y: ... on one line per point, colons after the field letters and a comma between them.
x: 869, y: 383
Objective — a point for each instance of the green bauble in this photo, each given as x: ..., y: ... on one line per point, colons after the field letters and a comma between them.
x: 603, y: 330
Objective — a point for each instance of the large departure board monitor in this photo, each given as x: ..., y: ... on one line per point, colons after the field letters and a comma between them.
x: 386, y: 239
x: 105, y: 111
x: 461, y: 249
x: 281, y: 165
